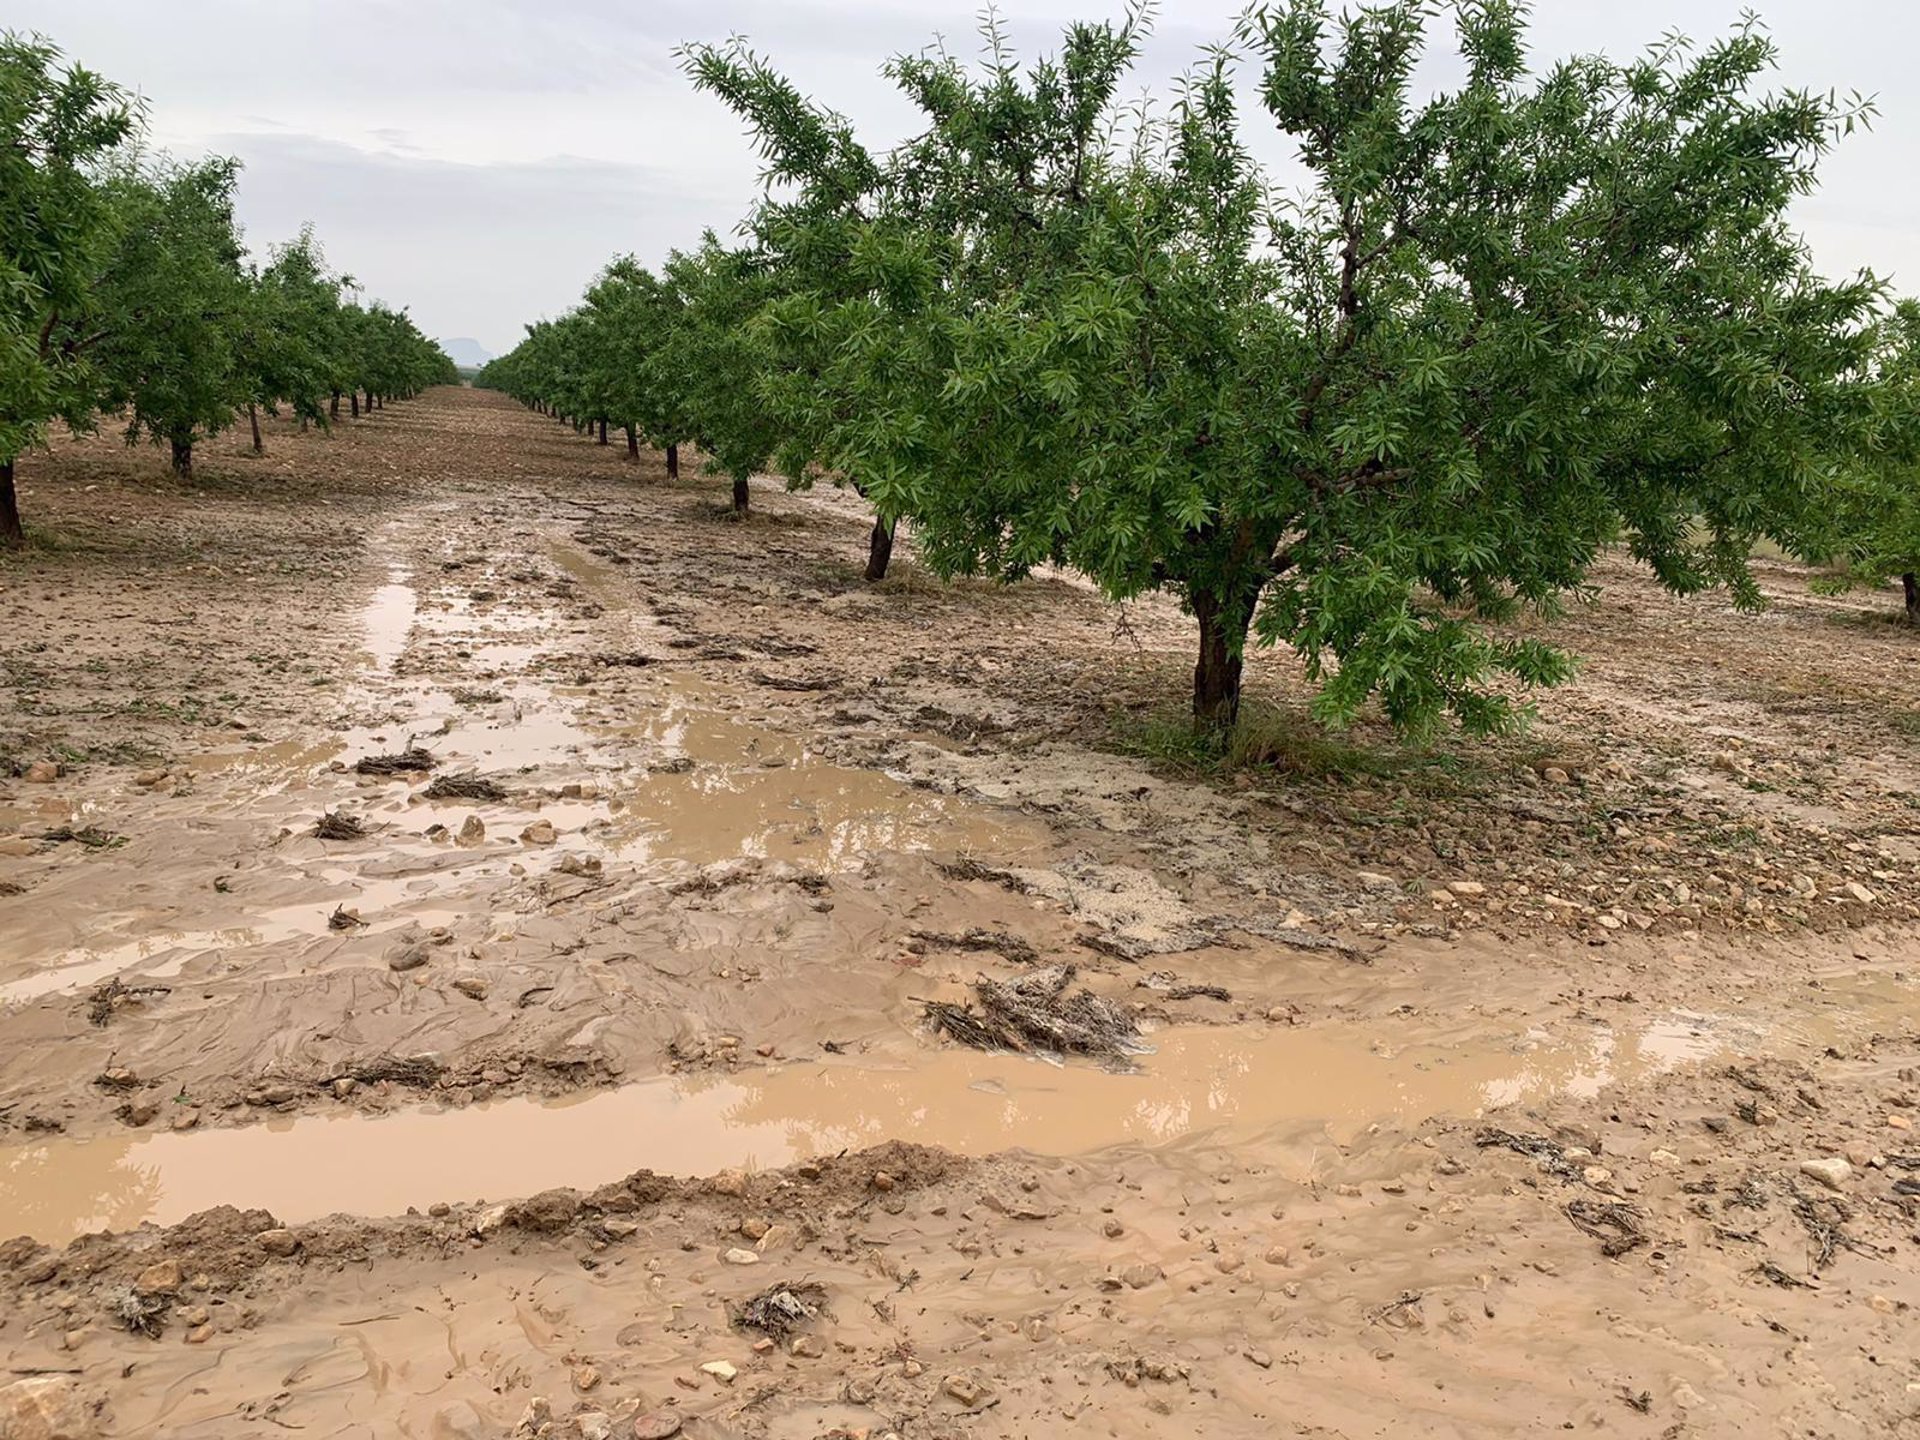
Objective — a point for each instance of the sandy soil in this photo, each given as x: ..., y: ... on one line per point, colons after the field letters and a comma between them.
x: 1474, y: 1082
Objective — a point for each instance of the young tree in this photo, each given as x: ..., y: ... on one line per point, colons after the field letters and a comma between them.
x: 57, y: 128
x: 174, y: 299
x: 1502, y: 327
x: 287, y: 328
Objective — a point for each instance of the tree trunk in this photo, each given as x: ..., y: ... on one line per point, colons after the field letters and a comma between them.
x: 253, y: 419
x: 603, y: 432
x: 879, y: 548
x: 673, y: 462
x: 183, y: 458
x: 633, y: 447
x: 334, y: 410
x: 355, y: 397
x: 1223, y: 637
x: 1911, y: 584
x: 739, y: 494
x: 12, y: 536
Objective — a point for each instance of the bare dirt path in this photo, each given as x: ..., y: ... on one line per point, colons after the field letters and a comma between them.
x: 1471, y: 1087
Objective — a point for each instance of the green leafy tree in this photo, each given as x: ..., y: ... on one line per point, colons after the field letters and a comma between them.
x: 175, y: 300
x: 1871, y: 530
x: 1501, y: 328
x: 58, y: 127
x: 288, y: 326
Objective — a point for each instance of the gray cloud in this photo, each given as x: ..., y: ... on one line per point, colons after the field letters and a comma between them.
x: 420, y: 137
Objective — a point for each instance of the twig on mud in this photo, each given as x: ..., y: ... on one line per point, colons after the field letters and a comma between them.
x: 781, y: 1309
x: 109, y: 997
x: 338, y: 825
x: 90, y: 836
x: 797, y: 685
x: 1381, y: 1313
x: 1830, y: 1235
x: 343, y: 919
x: 1614, y: 1223
x: 1767, y: 1270
x: 470, y: 786
x: 9, y: 888
x: 1035, y: 1012
x: 418, y: 1071
x: 411, y: 760
x: 1550, y: 1155
x: 1009, y: 947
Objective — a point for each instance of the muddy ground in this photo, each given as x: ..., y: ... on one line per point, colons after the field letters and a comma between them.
x: 1468, y: 1089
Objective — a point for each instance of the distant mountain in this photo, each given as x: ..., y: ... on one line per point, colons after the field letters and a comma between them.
x: 467, y: 352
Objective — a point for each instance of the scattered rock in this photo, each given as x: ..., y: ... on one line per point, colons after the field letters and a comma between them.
x: 738, y: 1256
x: 807, y: 1347
x: 41, y: 772
x: 721, y: 1370
x: 656, y: 1425
x: 1260, y: 1358
x: 1466, y: 887
x: 281, y: 1242
x: 967, y: 1389
x: 585, y: 1378
x: 163, y: 1277
x: 540, y: 832
x: 1139, y: 1277
x: 474, y: 987
x: 473, y: 832
x: 44, y: 1407
x: 409, y: 956
x: 1831, y: 1171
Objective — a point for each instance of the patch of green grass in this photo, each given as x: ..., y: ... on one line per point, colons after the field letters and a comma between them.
x: 1278, y: 739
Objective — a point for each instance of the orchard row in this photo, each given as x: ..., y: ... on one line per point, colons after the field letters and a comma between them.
x: 126, y: 293
x: 1495, y: 331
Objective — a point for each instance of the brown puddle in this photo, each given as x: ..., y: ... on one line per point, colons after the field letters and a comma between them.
x: 1329, y: 1082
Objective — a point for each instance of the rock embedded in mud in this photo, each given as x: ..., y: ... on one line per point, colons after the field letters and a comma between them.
x: 1139, y: 1277
x: 969, y: 1390
x: 721, y: 1370
x: 656, y: 1425
x: 540, y: 832
x: 476, y: 987
x: 1831, y: 1171
x: 279, y: 1242
x: 473, y: 832
x: 163, y: 1277
x: 410, y: 956
x: 41, y: 772
x: 44, y: 1407
x: 738, y: 1256
x: 547, y: 1213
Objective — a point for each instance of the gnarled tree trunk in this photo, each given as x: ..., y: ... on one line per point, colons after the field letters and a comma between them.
x: 183, y: 457
x: 12, y: 534
x: 1910, y: 583
x: 253, y: 419
x: 633, y: 447
x: 355, y: 397
x: 1224, y: 622
x: 739, y: 494
x: 673, y: 462
x: 879, y: 548
x: 603, y: 432
x: 333, y: 410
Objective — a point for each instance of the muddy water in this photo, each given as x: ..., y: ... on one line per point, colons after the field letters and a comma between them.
x: 1327, y: 1083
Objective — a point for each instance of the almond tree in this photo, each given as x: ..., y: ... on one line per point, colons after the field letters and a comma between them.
x: 174, y: 301
x: 57, y: 128
x: 1502, y: 328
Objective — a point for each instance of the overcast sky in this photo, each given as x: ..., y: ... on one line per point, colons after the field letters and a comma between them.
x: 479, y: 160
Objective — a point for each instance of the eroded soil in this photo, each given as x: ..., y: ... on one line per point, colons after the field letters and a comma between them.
x: 1471, y: 1089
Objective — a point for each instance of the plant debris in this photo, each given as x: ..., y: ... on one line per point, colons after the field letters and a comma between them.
x: 141, y: 1314
x: 781, y: 1309
x: 7, y: 888
x: 109, y: 997
x: 420, y: 1072
x: 338, y: 825
x: 412, y: 760
x: 1035, y: 1012
x: 343, y: 919
x: 1614, y: 1223
x: 469, y: 786
x: 1550, y: 1155
x: 1010, y: 947
x: 91, y: 836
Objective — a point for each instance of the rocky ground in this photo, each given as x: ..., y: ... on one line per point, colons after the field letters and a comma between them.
x: 1488, y: 1087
